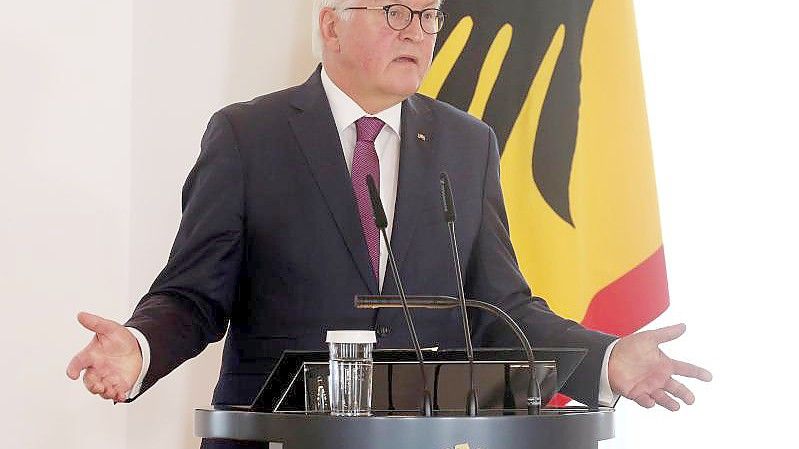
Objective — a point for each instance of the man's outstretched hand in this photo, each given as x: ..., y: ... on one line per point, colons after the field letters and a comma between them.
x: 112, y: 360
x: 640, y: 371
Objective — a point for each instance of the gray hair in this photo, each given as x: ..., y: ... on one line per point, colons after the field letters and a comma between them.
x: 338, y: 5
x: 316, y: 33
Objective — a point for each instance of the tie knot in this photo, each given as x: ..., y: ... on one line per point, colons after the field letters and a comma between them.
x: 368, y: 128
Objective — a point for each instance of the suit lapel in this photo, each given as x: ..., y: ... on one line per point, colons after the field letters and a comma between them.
x: 417, y: 179
x: 316, y: 133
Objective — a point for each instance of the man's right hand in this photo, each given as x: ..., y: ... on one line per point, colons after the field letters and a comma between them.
x: 112, y: 360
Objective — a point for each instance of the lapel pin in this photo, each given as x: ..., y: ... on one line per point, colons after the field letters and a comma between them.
x: 421, y: 137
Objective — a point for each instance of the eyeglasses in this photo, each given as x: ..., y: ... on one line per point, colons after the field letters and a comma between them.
x: 400, y: 17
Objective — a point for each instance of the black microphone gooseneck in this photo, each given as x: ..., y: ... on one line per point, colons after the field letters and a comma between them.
x: 447, y: 302
x: 381, y: 222
x: 449, y: 216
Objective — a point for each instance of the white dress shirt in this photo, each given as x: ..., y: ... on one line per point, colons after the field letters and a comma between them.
x: 387, y: 145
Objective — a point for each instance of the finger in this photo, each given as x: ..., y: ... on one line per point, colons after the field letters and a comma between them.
x: 680, y: 391
x: 90, y: 377
x: 665, y: 401
x: 97, y: 388
x: 118, y: 388
x: 116, y: 383
x: 645, y: 401
x: 109, y: 393
x: 93, y: 382
x: 686, y: 369
x: 646, y: 387
x: 96, y: 323
x: 81, y: 361
x: 669, y: 333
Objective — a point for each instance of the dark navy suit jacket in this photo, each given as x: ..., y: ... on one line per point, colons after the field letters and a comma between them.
x: 270, y: 247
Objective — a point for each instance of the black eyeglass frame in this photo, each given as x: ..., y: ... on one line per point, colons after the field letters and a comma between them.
x: 387, y: 8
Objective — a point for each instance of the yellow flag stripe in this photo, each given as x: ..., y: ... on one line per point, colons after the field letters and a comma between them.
x: 613, y: 196
x: 533, y: 224
x: 612, y: 190
x: 445, y: 60
x: 490, y: 70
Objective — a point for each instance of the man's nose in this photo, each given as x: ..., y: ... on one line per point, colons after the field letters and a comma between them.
x: 413, y: 31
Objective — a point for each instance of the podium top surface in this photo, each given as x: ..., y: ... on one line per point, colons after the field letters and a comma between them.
x: 572, y: 428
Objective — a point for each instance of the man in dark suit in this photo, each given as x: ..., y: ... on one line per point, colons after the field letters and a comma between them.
x: 276, y: 235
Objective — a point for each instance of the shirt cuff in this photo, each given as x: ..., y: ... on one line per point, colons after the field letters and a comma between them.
x: 144, y: 346
x: 606, y: 396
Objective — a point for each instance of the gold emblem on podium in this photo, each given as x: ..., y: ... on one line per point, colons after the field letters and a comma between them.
x: 463, y: 446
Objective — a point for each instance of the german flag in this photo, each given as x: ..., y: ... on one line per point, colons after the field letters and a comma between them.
x: 560, y: 82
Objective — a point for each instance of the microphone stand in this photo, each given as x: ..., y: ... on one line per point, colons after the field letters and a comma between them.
x: 381, y: 222
x: 448, y: 302
x: 449, y: 216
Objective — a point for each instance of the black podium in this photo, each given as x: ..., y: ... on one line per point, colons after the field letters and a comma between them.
x: 552, y: 429
x: 289, y: 411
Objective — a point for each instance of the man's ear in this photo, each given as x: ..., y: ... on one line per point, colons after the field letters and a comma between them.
x: 328, y: 21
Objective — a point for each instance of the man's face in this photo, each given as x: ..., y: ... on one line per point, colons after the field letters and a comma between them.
x: 382, y: 63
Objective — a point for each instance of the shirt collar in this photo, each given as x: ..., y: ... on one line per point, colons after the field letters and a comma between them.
x: 346, y: 111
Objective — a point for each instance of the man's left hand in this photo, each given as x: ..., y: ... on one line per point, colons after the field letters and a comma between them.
x: 640, y: 371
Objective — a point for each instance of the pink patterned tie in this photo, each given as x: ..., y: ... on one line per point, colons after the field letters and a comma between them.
x: 365, y: 162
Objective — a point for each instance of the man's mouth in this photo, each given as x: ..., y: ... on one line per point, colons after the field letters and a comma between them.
x: 406, y: 58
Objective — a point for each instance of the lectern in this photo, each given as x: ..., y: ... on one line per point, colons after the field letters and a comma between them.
x: 291, y: 410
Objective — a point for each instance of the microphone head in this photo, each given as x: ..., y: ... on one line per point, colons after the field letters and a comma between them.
x: 446, y: 198
x: 377, y: 206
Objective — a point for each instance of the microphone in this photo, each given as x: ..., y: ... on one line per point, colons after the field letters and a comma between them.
x: 449, y: 216
x: 381, y: 222
x: 448, y: 302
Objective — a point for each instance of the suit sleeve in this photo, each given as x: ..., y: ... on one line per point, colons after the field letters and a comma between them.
x: 493, y: 275
x: 190, y: 302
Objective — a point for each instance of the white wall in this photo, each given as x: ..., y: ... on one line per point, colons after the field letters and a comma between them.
x: 102, y: 105
x: 721, y: 89
x: 64, y: 198
x: 191, y: 58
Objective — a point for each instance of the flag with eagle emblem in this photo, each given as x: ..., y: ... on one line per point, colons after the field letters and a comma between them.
x: 560, y: 82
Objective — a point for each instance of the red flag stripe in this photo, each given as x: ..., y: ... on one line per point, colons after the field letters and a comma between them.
x: 632, y: 301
